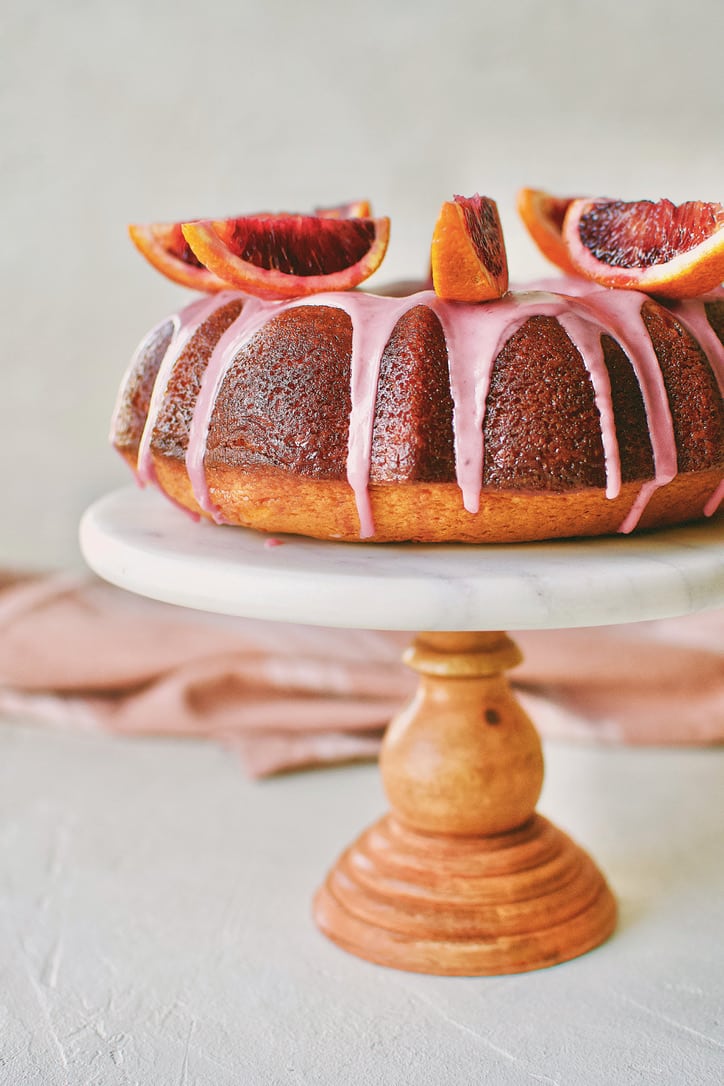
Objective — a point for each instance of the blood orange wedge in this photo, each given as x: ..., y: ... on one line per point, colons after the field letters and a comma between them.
x: 165, y: 247
x: 469, y: 262
x: 355, y: 209
x: 286, y: 256
x: 543, y: 216
x: 659, y: 248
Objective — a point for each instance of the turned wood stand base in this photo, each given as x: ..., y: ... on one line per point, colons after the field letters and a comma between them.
x: 463, y: 877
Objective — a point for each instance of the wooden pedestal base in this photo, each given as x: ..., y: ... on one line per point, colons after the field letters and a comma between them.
x: 463, y: 877
x: 471, y: 906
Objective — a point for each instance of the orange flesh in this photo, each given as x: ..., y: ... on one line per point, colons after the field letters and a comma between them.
x: 641, y: 234
x: 298, y: 244
x: 468, y: 253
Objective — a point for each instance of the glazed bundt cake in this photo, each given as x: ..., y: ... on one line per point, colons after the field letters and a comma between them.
x: 569, y: 410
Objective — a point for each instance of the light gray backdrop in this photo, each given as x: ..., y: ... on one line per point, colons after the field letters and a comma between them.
x: 137, y: 111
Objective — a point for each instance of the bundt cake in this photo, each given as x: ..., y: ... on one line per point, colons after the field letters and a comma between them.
x: 565, y: 410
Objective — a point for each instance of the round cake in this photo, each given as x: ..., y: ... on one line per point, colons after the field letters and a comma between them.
x: 564, y: 410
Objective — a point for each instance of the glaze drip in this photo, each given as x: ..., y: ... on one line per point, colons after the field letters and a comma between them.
x: 372, y: 328
x: 692, y: 314
x: 620, y: 316
x: 185, y: 325
x: 714, y: 501
x: 474, y: 336
x: 253, y: 317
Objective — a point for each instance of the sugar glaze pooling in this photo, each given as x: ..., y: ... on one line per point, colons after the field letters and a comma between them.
x: 475, y: 336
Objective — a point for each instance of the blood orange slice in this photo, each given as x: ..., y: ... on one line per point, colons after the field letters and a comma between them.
x: 165, y: 247
x: 286, y: 256
x: 543, y: 216
x: 659, y: 248
x: 468, y: 257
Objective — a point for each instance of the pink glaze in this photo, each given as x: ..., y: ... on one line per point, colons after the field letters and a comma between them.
x: 586, y: 337
x: 714, y: 501
x: 135, y: 357
x: 620, y: 314
x: 252, y: 318
x: 372, y: 327
x: 185, y: 325
x: 272, y: 541
x: 692, y: 314
x: 475, y: 335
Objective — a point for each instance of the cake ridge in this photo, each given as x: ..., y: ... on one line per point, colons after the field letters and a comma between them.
x: 634, y: 337
x: 254, y: 315
x: 186, y: 324
x: 691, y: 313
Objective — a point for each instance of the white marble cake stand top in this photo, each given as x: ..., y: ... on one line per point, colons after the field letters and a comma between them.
x: 136, y: 539
x: 139, y: 541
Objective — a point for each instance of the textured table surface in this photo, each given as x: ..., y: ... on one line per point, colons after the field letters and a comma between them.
x: 155, y: 929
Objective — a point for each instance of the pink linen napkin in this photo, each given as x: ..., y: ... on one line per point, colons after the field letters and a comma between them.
x: 75, y: 651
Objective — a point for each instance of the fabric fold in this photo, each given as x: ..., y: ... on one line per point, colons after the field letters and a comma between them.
x: 77, y: 652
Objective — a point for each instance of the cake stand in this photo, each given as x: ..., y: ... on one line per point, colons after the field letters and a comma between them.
x: 462, y: 876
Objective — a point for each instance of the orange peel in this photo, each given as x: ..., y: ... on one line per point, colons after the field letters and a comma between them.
x: 543, y: 215
x: 165, y: 248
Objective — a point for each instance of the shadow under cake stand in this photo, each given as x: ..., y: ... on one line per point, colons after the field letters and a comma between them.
x: 462, y: 876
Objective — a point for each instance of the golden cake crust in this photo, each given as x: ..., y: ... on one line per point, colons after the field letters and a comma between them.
x: 430, y: 512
